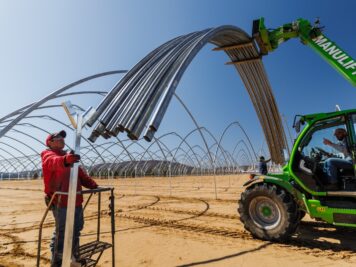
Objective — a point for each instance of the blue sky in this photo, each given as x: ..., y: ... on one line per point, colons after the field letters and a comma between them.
x: 46, y: 44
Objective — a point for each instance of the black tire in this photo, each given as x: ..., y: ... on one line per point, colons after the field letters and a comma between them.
x: 268, y: 212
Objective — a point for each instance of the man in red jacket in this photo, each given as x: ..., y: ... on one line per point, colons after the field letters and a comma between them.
x: 56, y: 164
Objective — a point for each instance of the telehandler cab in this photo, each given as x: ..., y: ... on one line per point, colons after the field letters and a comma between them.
x: 272, y: 205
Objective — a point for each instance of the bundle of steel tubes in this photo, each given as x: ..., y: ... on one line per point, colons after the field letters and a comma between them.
x: 140, y: 99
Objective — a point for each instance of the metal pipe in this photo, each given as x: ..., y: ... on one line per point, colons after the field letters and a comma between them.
x: 160, y: 80
x: 114, y: 98
x: 125, y: 110
x: 103, y: 105
x: 72, y: 191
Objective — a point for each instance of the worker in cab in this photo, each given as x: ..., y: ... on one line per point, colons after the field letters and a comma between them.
x: 333, y: 165
x: 56, y: 166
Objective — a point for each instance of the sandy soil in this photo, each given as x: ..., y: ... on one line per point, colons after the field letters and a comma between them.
x: 169, y: 222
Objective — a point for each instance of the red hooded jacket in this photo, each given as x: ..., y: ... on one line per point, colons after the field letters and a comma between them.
x: 56, y: 177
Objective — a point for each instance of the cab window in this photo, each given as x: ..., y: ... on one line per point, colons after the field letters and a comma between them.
x: 353, y: 121
x: 312, y: 152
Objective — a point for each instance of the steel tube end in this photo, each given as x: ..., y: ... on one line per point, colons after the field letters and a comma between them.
x: 106, y: 135
x: 149, y: 135
x: 94, y: 135
x: 132, y: 136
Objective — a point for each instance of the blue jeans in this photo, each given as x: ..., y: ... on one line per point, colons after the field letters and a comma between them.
x: 332, y: 165
x: 57, y: 241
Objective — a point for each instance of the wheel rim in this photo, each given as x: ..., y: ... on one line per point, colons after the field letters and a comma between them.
x: 265, y: 212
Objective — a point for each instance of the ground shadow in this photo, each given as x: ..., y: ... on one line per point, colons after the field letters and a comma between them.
x: 320, y: 235
x: 226, y: 257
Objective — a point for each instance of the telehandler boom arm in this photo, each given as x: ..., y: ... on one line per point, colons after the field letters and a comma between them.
x: 268, y: 40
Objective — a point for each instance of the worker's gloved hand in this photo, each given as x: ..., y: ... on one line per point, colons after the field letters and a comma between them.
x: 70, y: 159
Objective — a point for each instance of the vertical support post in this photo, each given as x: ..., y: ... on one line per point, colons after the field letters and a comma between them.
x: 135, y: 180
x: 215, y: 187
x: 170, y: 180
x: 201, y: 177
x: 72, y: 195
x: 98, y: 230
x: 112, y: 207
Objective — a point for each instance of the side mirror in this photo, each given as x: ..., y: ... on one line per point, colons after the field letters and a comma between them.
x: 297, y: 126
x: 297, y: 122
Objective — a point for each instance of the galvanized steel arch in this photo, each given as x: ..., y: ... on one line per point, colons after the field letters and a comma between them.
x: 244, y: 132
x: 29, y: 108
x: 189, y: 160
x: 23, y: 117
x: 241, y: 141
x: 129, y: 108
x: 183, y: 141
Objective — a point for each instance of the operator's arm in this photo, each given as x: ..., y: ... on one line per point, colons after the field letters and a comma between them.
x: 50, y: 160
x: 85, y: 180
x: 339, y: 147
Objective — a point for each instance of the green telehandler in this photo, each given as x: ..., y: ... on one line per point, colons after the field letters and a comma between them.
x: 272, y: 205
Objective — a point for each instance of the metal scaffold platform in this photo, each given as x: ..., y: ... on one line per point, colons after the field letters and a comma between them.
x: 88, y: 254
